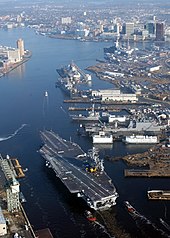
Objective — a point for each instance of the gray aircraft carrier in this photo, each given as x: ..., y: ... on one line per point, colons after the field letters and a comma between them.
x: 81, y: 173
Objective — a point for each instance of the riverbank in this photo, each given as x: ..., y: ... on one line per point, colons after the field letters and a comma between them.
x: 3, y: 71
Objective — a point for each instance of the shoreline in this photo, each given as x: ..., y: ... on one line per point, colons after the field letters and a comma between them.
x: 14, y: 66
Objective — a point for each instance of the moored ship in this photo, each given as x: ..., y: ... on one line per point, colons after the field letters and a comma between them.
x: 92, y: 116
x: 141, y: 139
x: 102, y: 138
x: 89, y: 216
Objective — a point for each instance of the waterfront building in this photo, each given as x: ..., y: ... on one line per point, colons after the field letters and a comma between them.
x: 9, y: 25
x: 114, y: 95
x: 160, y: 31
x: 12, y: 191
x: 14, y: 55
x: 20, y: 46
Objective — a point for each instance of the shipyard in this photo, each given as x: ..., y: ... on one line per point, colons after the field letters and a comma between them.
x: 128, y: 114
x: 145, y: 121
x: 91, y: 152
x: 14, y: 220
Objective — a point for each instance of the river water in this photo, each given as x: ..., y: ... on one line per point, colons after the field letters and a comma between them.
x: 25, y: 108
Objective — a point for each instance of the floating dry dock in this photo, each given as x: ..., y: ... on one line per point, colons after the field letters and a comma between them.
x: 159, y: 194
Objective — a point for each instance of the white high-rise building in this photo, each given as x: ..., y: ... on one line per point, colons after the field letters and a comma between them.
x: 129, y: 28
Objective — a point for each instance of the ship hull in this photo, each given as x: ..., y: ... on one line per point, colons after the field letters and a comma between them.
x: 141, y: 140
x: 67, y: 160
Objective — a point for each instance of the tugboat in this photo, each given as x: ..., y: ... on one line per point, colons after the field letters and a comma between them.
x: 129, y: 207
x: 147, y: 228
x: 89, y: 216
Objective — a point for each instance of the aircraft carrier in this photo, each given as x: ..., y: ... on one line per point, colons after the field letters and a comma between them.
x: 83, y: 174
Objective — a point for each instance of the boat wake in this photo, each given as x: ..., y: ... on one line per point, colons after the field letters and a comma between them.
x: 13, y: 134
x: 103, y: 228
x: 63, y: 110
x: 166, y: 225
x: 148, y: 228
x: 45, y: 104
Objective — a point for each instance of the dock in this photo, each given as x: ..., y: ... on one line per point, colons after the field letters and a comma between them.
x: 98, y: 101
x: 103, y: 109
x: 155, y: 158
x: 11, y: 209
x: 159, y: 194
x: 18, y: 168
x: 146, y: 173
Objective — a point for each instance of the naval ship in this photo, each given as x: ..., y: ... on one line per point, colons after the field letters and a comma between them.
x: 82, y: 173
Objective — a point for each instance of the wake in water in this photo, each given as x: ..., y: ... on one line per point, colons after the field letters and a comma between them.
x: 147, y: 228
x: 166, y: 225
x: 63, y: 110
x: 45, y: 104
x: 103, y: 228
x: 14, y: 134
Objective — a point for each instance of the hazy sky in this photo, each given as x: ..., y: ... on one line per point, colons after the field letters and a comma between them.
x: 87, y: 1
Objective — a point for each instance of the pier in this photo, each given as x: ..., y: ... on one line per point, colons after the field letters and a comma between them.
x: 156, y: 158
x: 98, y: 101
x: 111, y: 109
x: 159, y: 194
x: 12, y: 209
x: 146, y: 173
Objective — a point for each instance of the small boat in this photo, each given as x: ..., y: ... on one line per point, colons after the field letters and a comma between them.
x: 46, y: 94
x: 21, y: 197
x: 89, y: 216
x: 129, y: 207
x: 25, y: 170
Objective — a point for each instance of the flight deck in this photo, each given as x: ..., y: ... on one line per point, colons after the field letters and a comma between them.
x: 69, y: 162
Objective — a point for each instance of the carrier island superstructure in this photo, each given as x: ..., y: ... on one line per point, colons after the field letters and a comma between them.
x: 83, y: 174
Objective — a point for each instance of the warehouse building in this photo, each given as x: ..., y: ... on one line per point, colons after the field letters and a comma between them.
x: 114, y: 95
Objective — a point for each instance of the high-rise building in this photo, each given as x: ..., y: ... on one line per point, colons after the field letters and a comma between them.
x: 150, y: 26
x: 117, y: 28
x: 20, y: 46
x: 129, y: 28
x: 160, y: 31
